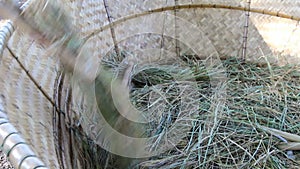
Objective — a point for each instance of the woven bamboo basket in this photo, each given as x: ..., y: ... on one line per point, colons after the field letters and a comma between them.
x: 48, y: 111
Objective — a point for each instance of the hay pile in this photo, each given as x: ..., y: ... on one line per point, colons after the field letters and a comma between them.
x: 256, y: 127
x: 260, y: 98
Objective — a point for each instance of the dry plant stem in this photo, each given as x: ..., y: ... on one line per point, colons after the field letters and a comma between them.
x: 294, y: 140
x: 112, y: 30
x: 286, y: 135
x: 246, y: 28
x: 290, y: 146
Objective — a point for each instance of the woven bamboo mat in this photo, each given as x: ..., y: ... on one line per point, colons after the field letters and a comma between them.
x: 88, y: 16
x: 287, y: 6
x: 224, y: 26
x: 27, y: 108
x: 281, y: 35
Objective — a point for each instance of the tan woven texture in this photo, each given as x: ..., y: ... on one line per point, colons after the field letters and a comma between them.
x: 281, y: 35
x: 225, y: 28
x: 30, y: 111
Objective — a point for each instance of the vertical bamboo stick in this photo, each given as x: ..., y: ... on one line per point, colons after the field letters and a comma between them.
x: 246, y: 29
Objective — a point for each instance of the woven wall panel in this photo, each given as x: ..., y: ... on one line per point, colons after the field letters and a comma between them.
x: 88, y: 16
x: 118, y: 9
x: 281, y: 35
x: 225, y: 30
x: 290, y: 7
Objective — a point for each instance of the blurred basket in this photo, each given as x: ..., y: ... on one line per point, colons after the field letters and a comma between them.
x: 31, y: 77
x: 23, y: 103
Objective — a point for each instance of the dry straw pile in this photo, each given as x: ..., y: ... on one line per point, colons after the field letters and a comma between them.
x: 252, y: 129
